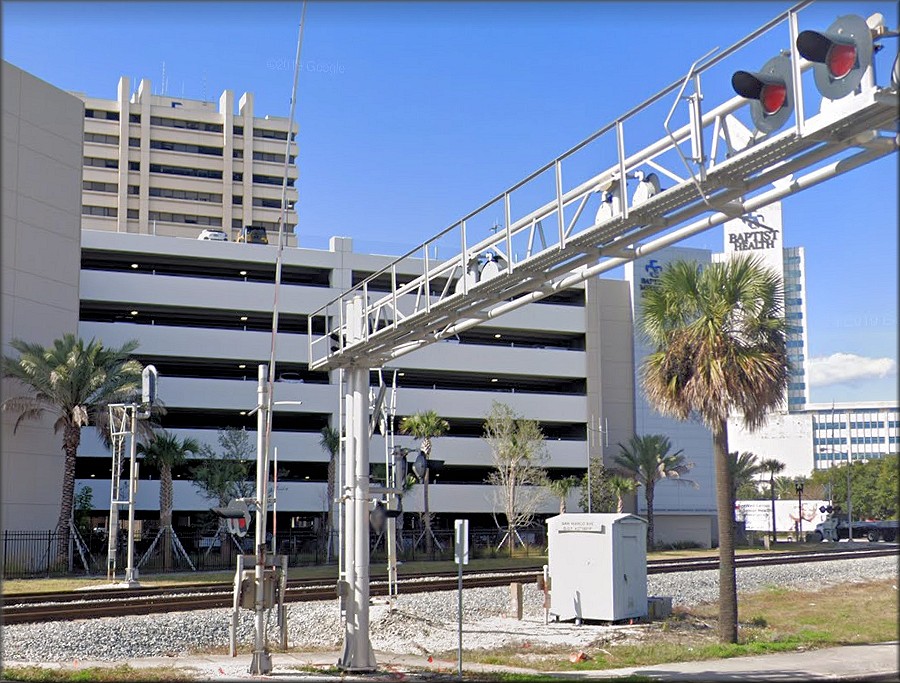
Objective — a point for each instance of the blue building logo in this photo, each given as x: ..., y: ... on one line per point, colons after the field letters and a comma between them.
x: 653, y: 268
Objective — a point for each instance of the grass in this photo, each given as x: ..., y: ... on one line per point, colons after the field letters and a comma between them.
x: 98, y: 674
x: 773, y: 620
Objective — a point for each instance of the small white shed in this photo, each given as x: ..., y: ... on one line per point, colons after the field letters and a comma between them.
x: 597, y: 566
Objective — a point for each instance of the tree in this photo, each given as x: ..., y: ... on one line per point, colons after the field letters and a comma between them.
x: 425, y: 426
x: 166, y: 451
x: 84, y: 503
x: 74, y: 381
x: 331, y: 444
x: 718, y: 338
x: 603, y: 497
x: 622, y: 486
x: 744, y: 467
x: 773, y: 467
x: 225, y: 475
x: 873, y: 487
x: 560, y: 488
x: 785, y: 488
x: 647, y: 460
x: 518, y: 477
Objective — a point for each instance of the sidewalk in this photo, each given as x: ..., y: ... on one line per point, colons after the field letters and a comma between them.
x: 848, y: 663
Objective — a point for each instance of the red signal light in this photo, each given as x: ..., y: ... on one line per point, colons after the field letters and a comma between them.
x: 841, y: 59
x: 770, y: 93
x: 773, y: 96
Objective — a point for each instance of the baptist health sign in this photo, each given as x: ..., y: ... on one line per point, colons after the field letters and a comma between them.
x: 760, y: 234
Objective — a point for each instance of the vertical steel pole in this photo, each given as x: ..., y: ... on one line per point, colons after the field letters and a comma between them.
x: 261, y: 662
x: 347, y: 542
x: 364, y: 659
x: 132, y: 487
x: 460, y: 612
x: 357, y: 653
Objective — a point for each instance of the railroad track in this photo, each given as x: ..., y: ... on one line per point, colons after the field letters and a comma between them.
x: 45, y: 607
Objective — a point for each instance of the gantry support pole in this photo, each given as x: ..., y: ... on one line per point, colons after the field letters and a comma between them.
x: 262, y: 661
x: 357, y: 654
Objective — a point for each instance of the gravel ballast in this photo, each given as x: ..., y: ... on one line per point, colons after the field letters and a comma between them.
x: 420, y: 623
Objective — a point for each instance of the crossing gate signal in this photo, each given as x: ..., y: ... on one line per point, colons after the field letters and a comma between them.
x: 770, y: 91
x: 236, y: 516
x: 842, y: 55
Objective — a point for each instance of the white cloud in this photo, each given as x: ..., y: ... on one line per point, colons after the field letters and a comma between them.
x: 848, y: 368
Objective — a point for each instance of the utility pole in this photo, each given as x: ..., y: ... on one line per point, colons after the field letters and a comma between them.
x: 849, y: 465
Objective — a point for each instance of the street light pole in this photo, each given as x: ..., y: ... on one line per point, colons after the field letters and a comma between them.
x: 799, y: 486
x: 849, y: 501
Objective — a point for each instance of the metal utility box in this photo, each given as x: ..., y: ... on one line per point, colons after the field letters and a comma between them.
x: 597, y: 566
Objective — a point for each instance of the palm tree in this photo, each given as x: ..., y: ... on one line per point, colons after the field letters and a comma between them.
x: 785, y: 488
x: 773, y: 467
x: 744, y: 467
x: 330, y: 443
x: 647, y: 460
x: 622, y: 486
x: 425, y: 426
x: 166, y: 451
x: 75, y: 382
x: 718, y: 338
x: 561, y: 488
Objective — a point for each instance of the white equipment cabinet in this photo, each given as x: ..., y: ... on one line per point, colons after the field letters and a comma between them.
x: 597, y: 567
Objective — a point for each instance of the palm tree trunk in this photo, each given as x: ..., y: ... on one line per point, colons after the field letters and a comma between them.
x: 71, y: 439
x: 728, y: 612
x: 426, y: 517
x: 165, y: 513
x: 620, y: 504
x: 329, y: 515
x: 648, y: 489
x: 772, y: 491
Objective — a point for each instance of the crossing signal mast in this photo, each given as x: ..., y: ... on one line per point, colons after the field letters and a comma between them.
x: 715, y: 170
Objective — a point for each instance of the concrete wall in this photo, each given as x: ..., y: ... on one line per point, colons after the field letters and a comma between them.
x: 41, y: 243
x: 673, y: 528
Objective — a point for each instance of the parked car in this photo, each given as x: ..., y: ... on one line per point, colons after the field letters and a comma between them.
x: 252, y: 234
x: 213, y: 234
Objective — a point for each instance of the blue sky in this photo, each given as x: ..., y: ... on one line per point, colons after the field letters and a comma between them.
x: 413, y: 114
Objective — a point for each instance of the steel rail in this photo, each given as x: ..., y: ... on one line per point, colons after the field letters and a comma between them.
x: 36, y: 608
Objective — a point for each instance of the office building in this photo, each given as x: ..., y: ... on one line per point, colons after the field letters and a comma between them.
x: 161, y: 165
x: 823, y: 435
x: 41, y: 238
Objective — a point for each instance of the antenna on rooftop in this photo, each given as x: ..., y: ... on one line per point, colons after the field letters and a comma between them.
x: 164, y: 86
x: 204, y: 85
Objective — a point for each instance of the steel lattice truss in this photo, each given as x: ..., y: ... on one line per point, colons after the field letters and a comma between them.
x: 715, y: 169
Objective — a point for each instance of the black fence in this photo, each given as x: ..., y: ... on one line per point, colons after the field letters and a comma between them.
x: 33, y: 554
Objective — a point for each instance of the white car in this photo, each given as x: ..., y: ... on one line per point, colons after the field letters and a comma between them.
x: 213, y: 234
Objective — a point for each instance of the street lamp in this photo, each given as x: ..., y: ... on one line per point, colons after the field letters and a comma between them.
x: 799, y: 486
